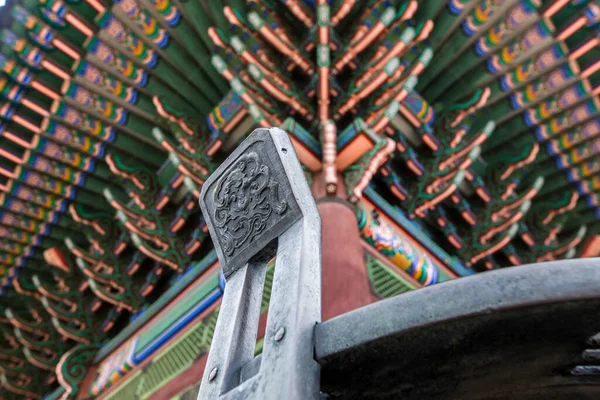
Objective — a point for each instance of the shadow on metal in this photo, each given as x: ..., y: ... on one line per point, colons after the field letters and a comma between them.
x: 515, y: 333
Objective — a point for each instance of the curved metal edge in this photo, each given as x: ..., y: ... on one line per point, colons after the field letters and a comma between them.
x: 483, y: 293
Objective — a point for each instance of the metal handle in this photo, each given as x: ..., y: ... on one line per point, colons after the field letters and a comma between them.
x: 258, y: 204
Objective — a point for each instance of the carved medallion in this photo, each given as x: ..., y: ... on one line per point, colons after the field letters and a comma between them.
x: 244, y: 199
x: 249, y: 202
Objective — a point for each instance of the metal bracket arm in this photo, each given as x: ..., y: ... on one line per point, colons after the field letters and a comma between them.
x: 257, y: 204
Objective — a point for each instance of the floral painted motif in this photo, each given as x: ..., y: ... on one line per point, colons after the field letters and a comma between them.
x: 131, y: 43
x: 31, y: 210
x: 95, y: 102
x: 578, y: 154
x: 399, y: 250
x: 54, y: 12
x: 555, y: 104
x: 18, y: 73
x: 229, y: 106
x: 501, y: 31
x: 48, y: 184
x: 57, y: 170
x: 86, y: 123
x: 574, y: 137
x: 145, y: 21
x: 583, y: 170
x: 65, y: 155
x: 480, y: 14
x: 121, y: 64
x: 38, y: 197
x: 532, y: 67
x: 75, y: 139
x: 513, y: 52
x: 542, y: 86
x: 106, y: 82
x: 39, y: 32
x: 10, y: 91
x: 566, y: 120
x: 169, y: 12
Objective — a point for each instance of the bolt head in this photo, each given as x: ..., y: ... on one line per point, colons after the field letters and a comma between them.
x: 279, y: 334
x: 213, y: 374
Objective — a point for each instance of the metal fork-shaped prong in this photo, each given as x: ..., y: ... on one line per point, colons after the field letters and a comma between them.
x: 237, y: 325
x: 264, y: 170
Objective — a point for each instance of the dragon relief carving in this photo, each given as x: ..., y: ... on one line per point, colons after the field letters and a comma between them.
x: 244, y: 199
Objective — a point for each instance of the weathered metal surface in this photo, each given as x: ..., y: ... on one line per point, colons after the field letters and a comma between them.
x: 257, y: 204
x: 249, y: 202
x: 517, y: 333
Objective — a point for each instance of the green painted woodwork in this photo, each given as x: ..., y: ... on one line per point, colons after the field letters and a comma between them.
x: 128, y: 390
x: 264, y: 306
x: 182, y: 352
x: 189, y: 301
x: 115, y: 113
x: 177, y: 357
x: 174, y: 359
x: 384, y: 280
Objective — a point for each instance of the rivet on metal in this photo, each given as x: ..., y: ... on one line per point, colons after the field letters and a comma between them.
x: 213, y: 374
x: 279, y: 334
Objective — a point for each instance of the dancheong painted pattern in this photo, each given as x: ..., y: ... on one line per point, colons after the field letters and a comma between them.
x: 464, y: 133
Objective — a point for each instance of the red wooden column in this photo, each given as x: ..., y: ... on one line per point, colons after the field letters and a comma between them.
x: 345, y: 280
